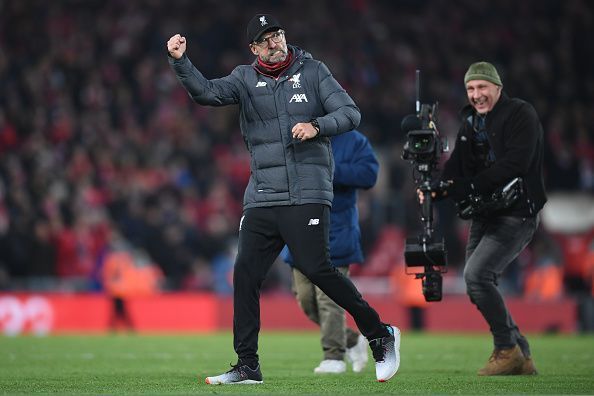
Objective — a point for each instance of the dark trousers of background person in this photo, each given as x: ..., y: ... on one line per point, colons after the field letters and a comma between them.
x: 492, y: 245
x: 120, y: 314
x: 305, y: 230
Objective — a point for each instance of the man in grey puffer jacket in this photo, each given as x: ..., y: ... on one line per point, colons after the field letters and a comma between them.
x: 289, y: 106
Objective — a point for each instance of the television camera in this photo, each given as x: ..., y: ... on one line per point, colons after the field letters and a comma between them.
x: 423, y: 148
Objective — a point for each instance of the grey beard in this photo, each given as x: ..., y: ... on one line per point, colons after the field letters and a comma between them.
x: 285, y: 54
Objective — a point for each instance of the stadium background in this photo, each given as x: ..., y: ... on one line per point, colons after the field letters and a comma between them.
x: 105, y: 162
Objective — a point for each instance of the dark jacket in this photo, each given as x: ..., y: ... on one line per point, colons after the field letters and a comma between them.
x: 356, y: 168
x: 516, y: 138
x: 283, y: 171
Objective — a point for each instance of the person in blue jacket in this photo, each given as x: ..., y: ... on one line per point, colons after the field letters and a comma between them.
x: 356, y: 167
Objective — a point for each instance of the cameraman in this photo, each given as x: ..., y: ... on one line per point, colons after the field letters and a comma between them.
x: 501, y: 138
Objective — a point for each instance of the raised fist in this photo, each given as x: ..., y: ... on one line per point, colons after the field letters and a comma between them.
x: 176, y: 46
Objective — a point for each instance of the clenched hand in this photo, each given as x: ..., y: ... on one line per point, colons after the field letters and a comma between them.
x: 176, y: 46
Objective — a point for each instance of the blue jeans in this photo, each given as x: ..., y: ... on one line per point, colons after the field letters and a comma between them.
x: 493, y: 244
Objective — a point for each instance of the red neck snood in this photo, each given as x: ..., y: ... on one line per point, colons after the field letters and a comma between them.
x: 276, y: 69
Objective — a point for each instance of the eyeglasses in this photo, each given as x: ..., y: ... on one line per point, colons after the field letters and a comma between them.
x: 276, y: 37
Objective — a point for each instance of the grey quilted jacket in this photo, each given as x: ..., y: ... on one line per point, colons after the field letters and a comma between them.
x: 283, y: 171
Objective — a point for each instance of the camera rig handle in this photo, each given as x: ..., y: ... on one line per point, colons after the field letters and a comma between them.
x: 426, y: 211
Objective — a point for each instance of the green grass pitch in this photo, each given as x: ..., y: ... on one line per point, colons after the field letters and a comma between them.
x: 177, y: 364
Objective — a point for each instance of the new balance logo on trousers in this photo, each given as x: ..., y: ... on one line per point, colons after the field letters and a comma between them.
x: 313, y: 222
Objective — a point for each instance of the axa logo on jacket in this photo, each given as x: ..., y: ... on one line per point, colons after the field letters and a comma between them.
x: 298, y: 98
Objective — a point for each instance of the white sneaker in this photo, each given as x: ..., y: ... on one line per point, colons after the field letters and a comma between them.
x: 331, y: 367
x: 357, y: 355
x: 386, y: 352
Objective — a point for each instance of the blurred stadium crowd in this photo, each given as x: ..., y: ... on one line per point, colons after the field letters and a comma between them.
x: 102, y: 150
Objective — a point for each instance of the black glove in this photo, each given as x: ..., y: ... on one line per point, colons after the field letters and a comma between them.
x: 439, y: 187
x: 460, y: 189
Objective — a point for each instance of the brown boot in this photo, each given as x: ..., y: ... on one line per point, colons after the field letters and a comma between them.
x: 528, y: 367
x: 508, y: 361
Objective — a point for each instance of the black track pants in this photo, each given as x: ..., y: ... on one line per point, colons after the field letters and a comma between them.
x: 304, y: 228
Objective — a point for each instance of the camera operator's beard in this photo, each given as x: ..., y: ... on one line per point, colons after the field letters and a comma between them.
x: 277, y: 56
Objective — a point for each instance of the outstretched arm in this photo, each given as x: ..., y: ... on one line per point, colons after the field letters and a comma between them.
x: 215, y: 92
